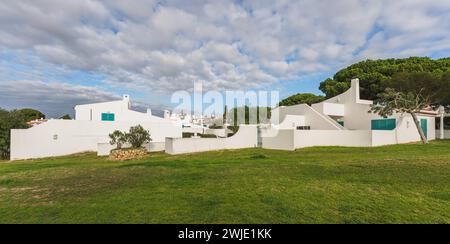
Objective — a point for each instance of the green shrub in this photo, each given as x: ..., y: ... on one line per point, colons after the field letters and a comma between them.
x: 137, y: 136
x: 9, y: 120
x: 117, y: 138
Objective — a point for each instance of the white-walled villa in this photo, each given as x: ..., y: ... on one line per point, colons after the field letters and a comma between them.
x: 89, y: 131
x: 343, y: 120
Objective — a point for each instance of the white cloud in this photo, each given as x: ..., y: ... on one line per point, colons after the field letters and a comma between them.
x: 163, y: 46
x: 56, y: 99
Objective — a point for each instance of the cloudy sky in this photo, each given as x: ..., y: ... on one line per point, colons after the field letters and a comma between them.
x: 56, y: 54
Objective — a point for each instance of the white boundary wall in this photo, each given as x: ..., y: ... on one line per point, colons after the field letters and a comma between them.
x: 293, y: 139
x: 347, y: 138
x: 279, y: 140
x: 64, y: 137
x: 246, y: 137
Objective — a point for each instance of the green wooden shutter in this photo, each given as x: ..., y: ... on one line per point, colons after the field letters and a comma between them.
x: 384, y: 124
x: 108, y: 117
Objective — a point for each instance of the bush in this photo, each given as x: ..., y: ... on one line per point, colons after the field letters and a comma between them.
x: 117, y: 138
x: 9, y: 120
x: 137, y: 136
x: 214, y: 126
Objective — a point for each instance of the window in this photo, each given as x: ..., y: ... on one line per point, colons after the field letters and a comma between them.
x: 383, y: 124
x: 107, y: 117
x: 341, y: 122
x: 303, y: 127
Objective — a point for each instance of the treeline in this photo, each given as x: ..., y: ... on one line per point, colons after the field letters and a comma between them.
x: 14, y: 119
x: 375, y: 76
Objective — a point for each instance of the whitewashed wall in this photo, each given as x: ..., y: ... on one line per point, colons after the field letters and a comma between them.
x: 384, y: 137
x: 63, y: 137
x: 407, y: 131
x: 246, y: 137
x: 292, y: 121
x: 292, y: 139
x: 312, y: 118
x: 345, y: 138
x: 279, y: 140
x: 120, y: 109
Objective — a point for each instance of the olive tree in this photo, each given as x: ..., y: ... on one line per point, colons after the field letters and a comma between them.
x: 117, y: 138
x: 392, y: 101
x: 412, y: 92
x: 137, y: 136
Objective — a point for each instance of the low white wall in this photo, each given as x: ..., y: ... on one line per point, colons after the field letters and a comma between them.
x: 347, y: 138
x: 279, y: 140
x: 384, y: 137
x: 292, y: 139
x: 63, y: 137
x: 246, y: 137
x: 104, y: 149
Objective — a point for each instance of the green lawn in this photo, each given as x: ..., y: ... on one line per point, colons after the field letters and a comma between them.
x: 394, y: 184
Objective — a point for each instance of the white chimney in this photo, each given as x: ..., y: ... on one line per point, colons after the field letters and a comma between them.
x: 149, y: 111
x: 166, y: 114
x: 126, y: 97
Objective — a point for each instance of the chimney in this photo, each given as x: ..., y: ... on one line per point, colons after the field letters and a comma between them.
x: 126, y: 97
x: 355, y: 89
x: 149, y: 111
x: 166, y: 114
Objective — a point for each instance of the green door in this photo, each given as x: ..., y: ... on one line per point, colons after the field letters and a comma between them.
x: 424, y: 125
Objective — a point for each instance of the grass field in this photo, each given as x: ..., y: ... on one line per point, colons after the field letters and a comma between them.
x: 394, y: 184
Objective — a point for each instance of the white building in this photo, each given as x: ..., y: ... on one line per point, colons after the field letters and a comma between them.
x: 90, y: 129
x: 343, y: 120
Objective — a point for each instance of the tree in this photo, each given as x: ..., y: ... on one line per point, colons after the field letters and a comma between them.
x: 400, y: 102
x: 117, y: 138
x: 301, y: 98
x: 430, y: 84
x: 9, y: 120
x: 30, y: 114
x: 224, y: 116
x: 410, y: 93
x: 374, y: 73
x: 137, y: 136
x: 65, y: 117
x: 246, y: 115
x: 444, y: 94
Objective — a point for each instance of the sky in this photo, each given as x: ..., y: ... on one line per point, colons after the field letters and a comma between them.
x: 57, y: 54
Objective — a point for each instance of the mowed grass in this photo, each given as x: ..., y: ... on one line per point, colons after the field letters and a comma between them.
x: 393, y: 184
